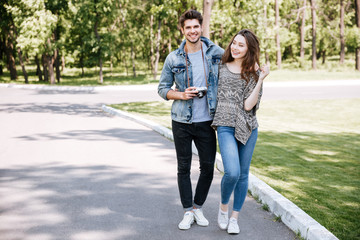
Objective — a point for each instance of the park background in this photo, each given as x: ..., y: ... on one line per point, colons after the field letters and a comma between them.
x: 308, y: 150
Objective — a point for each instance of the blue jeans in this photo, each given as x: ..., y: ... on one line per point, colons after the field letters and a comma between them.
x: 236, y: 158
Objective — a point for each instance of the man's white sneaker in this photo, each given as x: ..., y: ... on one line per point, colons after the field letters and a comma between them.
x: 223, y: 219
x: 199, y: 218
x: 187, y: 220
x: 233, y: 227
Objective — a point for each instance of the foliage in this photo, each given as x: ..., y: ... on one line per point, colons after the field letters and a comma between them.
x: 124, y: 26
x: 33, y: 22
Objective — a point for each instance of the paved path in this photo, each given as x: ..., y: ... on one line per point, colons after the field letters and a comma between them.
x: 69, y: 171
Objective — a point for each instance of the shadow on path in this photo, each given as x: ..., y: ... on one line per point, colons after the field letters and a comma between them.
x: 55, y: 108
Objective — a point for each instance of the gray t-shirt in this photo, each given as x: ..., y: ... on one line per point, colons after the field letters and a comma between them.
x: 200, y: 107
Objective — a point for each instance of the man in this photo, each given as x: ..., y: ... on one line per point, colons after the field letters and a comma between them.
x: 192, y: 111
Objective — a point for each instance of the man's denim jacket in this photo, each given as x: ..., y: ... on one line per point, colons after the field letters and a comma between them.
x: 174, y: 70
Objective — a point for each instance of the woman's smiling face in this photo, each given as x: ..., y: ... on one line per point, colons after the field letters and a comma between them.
x: 239, y: 47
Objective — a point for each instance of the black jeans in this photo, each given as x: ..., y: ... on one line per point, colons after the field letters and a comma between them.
x: 205, y: 141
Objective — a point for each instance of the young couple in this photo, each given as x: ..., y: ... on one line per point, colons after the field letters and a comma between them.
x: 233, y: 81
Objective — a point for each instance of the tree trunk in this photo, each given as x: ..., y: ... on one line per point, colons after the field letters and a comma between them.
x: 152, y: 58
x: 50, y: 63
x: 342, y: 32
x: 302, y: 32
x: 82, y: 65
x: 99, y: 52
x: 126, y: 66
x: 101, y: 71
x: 169, y: 40
x: 38, y: 68
x: 45, y: 69
x: 357, y: 11
x: 62, y: 63
x: 323, y: 54
x: 22, y: 64
x: 133, y: 58
x: 57, y: 66
x: 313, y: 16
x: 18, y: 49
x: 10, y: 58
x: 111, y: 65
x: 267, y: 57
x: 2, y: 49
x: 277, y: 37
x: 207, y: 5
x: 158, y: 38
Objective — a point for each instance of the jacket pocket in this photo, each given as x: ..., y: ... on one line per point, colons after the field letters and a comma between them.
x: 178, y: 69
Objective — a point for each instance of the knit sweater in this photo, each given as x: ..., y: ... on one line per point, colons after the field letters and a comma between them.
x: 232, y: 93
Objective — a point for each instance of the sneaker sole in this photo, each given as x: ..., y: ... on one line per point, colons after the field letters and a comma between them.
x: 202, y: 224
x: 186, y: 227
x: 222, y: 228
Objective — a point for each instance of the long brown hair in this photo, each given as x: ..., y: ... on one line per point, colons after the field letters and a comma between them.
x: 251, y: 57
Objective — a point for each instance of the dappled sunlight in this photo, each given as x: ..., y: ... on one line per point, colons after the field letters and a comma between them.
x: 320, y: 116
x: 344, y: 188
x: 97, y: 211
x: 53, y: 108
x: 317, y: 171
x: 320, y: 152
x: 53, y: 198
x: 103, y: 235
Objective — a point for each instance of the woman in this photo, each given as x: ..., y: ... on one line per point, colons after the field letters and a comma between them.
x: 239, y: 93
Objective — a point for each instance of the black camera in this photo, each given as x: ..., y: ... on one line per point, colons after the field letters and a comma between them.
x: 201, y: 91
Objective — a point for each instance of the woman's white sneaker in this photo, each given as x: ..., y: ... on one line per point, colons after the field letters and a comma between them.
x: 187, y: 220
x: 223, y: 219
x: 233, y: 227
x: 199, y: 218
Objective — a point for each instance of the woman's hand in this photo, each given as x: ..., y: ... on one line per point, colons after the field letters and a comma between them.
x: 265, y: 70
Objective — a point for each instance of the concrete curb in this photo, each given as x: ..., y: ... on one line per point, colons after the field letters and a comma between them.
x: 291, y: 215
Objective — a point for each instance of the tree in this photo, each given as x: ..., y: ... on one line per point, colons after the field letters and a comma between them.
x: 58, y: 8
x: 342, y: 32
x: 357, y: 18
x: 277, y: 36
x: 157, y: 48
x: 207, y: 6
x: 313, y: 16
x: 302, y: 31
x: 31, y: 27
x: 6, y: 40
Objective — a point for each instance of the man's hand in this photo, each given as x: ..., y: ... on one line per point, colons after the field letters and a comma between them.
x: 189, y: 93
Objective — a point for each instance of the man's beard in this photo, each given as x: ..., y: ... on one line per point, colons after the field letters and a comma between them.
x: 193, y: 41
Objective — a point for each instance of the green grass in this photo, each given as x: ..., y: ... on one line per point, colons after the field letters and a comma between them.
x: 307, y: 150
x: 73, y: 76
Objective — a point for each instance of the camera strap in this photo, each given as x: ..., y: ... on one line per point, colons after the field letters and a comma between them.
x: 187, y: 71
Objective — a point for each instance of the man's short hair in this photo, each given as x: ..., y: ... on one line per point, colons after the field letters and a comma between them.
x: 188, y: 15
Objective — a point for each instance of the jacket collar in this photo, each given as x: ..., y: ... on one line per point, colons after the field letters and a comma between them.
x: 205, y: 40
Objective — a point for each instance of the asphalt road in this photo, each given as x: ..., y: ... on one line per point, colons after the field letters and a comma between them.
x: 70, y: 171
